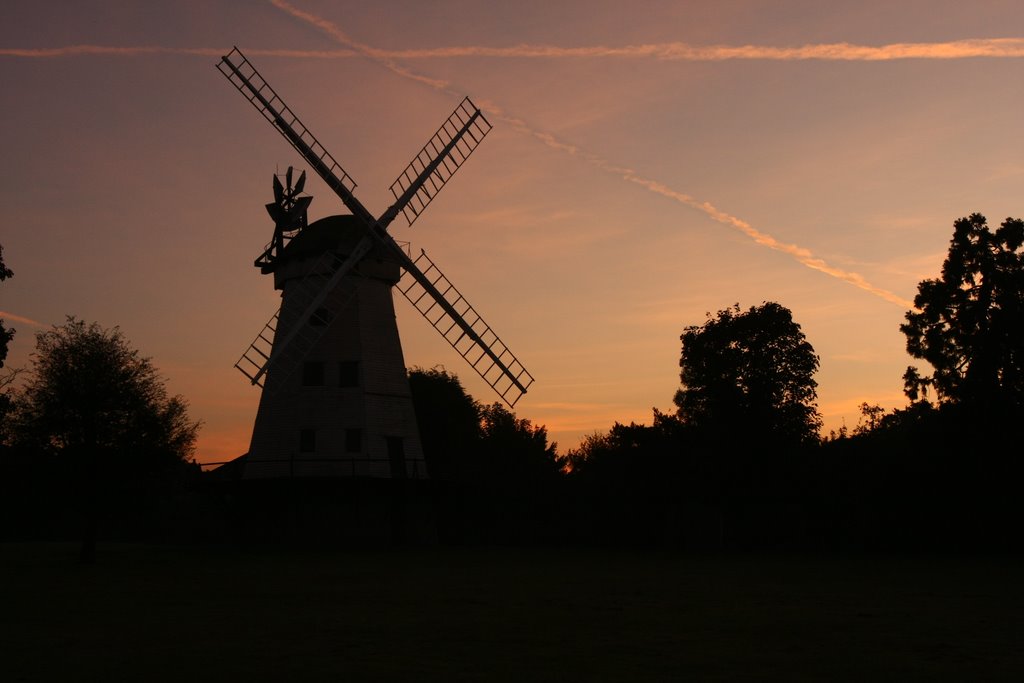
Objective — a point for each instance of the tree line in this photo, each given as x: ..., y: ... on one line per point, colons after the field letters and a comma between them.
x: 739, y: 464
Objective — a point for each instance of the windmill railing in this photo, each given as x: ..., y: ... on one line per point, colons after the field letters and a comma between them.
x: 266, y: 257
x: 299, y: 466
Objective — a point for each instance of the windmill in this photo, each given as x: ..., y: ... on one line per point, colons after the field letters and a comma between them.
x: 335, y: 397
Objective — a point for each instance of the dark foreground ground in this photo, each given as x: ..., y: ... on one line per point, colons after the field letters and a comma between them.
x: 144, y: 613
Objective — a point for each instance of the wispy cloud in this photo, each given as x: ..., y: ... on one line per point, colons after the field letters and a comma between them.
x: 956, y: 49
x: 339, y: 36
x: 991, y: 48
x: 141, y: 50
x: 7, y: 315
x: 801, y: 254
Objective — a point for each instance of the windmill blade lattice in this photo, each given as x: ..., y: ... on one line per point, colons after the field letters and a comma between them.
x: 440, y: 158
x: 244, y: 76
x: 286, y: 353
x: 466, y: 331
x: 430, y: 170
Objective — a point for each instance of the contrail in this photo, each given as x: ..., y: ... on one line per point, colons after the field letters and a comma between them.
x: 343, y: 38
x: 956, y: 49
x: 21, y: 319
x: 992, y: 48
x: 801, y: 254
x: 139, y: 50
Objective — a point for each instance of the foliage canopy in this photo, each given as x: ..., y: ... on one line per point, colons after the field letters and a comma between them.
x: 749, y: 372
x: 448, y: 420
x: 967, y: 323
x: 464, y: 440
x: 89, y: 394
x: 6, y: 334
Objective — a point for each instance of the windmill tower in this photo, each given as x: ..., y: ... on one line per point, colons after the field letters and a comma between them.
x: 336, y: 399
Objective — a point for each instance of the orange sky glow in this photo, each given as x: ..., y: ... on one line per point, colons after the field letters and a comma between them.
x: 648, y: 164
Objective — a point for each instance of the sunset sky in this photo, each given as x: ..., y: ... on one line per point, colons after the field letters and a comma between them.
x: 650, y: 162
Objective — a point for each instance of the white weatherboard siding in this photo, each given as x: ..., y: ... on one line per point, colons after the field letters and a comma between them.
x: 362, y: 330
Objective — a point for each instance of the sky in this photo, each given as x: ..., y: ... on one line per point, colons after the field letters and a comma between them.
x: 650, y: 163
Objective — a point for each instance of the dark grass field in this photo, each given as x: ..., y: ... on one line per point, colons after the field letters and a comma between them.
x: 146, y: 613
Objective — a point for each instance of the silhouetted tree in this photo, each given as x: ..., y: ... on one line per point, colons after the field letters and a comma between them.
x: 93, y: 402
x: 611, y: 482
x: 492, y: 471
x: 631, y: 484
x: 517, y: 478
x: 515, y: 448
x: 634, y: 446
x: 448, y: 420
x: 6, y: 335
x: 967, y: 323
x: 871, y: 418
x: 749, y: 373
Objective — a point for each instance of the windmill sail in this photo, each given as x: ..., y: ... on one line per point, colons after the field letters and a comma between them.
x: 266, y: 349
x: 463, y: 328
x: 415, y: 188
x: 439, y: 159
x: 244, y: 76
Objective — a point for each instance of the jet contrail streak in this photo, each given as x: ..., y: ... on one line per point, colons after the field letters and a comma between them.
x: 109, y: 50
x: 956, y: 49
x: 21, y: 319
x: 343, y: 38
x: 992, y: 48
x: 800, y: 254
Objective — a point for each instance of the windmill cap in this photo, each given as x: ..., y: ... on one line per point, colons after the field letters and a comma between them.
x: 333, y: 233
x: 337, y: 234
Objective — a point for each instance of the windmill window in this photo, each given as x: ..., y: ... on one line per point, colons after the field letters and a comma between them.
x: 313, y: 373
x: 307, y: 440
x: 353, y: 440
x: 320, y: 317
x: 348, y: 373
